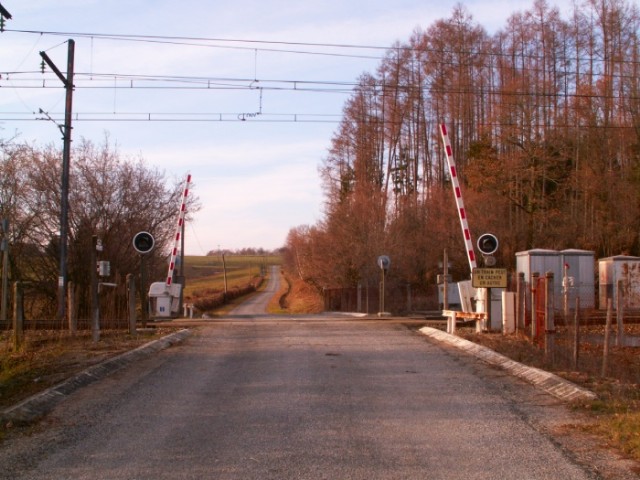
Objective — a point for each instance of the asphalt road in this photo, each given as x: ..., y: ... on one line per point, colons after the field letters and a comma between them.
x: 313, y: 398
x: 257, y: 304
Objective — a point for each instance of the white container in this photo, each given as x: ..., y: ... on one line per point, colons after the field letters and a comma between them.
x: 620, y: 267
x: 581, y: 270
x: 539, y: 260
x: 164, y: 302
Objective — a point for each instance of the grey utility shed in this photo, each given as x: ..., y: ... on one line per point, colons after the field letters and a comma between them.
x: 580, y: 270
x: 613, y: 269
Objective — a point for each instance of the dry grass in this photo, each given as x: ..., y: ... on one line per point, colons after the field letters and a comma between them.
x: 614, y: 417
x: 205, y: 274
x: 48, y: 357
x: 301, y: 298
x: 276, y: 304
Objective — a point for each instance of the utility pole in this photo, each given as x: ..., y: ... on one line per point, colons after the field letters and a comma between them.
x: 66, y: 154
x: 445, y: 285
x: 95, y: 301
x: 5, y: 271
x: 4, y: 13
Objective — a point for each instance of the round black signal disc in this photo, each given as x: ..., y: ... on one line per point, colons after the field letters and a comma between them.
x: 143, y: 242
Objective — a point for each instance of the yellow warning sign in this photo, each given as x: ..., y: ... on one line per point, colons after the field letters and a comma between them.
x: 489, y: 278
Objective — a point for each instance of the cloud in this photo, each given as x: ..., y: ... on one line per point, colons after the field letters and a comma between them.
x: 286, y: 185
x: 238, y: 150
x: 255, y: 211
x: 251, y: 196
x: 255, y: 179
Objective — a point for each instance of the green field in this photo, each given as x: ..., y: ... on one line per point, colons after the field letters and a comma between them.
x: 207, y: 272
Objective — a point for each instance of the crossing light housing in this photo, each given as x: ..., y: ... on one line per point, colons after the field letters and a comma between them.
x: 143, y: 242
x: 487, y: 243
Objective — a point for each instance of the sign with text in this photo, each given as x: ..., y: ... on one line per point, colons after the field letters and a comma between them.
x: 489, y: 278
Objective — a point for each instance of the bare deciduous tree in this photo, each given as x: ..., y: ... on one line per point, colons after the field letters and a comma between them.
x: 544, y: 117
x: 110, y: 197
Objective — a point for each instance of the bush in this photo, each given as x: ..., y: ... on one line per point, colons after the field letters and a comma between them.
x: 215, y: 299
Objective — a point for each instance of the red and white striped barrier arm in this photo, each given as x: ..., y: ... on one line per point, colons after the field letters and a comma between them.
x: 462, y: 213
x: 176, y: 243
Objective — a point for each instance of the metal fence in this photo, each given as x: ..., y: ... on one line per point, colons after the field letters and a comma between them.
x: 592, y: 341
x: 32, y: 308
x: 366, y: 299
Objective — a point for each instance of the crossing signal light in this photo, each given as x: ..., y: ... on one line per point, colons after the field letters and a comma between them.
x: 143, y: 242
x: 487, y: 243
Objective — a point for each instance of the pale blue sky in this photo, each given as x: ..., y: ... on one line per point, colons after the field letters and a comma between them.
x: 255, y: 179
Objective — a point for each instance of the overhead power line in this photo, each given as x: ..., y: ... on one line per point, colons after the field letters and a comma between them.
x: 113, y: 81
x: 300, y: 118
x: 260, y: 45
x: 175, y: 117
x: 200, y: 39
x: 373, y: 87
x: 223, y: 43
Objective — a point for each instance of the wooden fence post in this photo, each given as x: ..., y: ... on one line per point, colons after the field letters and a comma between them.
x: 18, y: 316
x: 71, y: 308
x: 576, y: 335
x: 520, y: 302
x: 534, y: 304
x: 607, y: 328
x: 131, y: 295
x: 95, y: 300
x: 620, y: 314
x: 549, y: 320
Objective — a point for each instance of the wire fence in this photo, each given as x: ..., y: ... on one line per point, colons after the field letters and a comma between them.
x: 596, y: 342
x: 31, y: 309
x: 568, y: 335
x: 368, y: 299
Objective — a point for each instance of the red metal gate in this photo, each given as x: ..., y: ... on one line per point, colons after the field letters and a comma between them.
x: 540, y: 308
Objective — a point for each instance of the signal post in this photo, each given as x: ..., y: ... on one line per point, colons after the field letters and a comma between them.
x: 488, y: 278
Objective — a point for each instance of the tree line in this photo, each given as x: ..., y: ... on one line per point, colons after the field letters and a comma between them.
x: 110, y: 196
x: 256, y: 251
x: 544, y: 120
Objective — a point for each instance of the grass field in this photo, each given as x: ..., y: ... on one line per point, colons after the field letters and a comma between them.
x: 206, y: 273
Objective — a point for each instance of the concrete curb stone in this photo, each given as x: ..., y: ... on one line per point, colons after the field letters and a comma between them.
x: 40, y: 404
x: 553, y: 384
